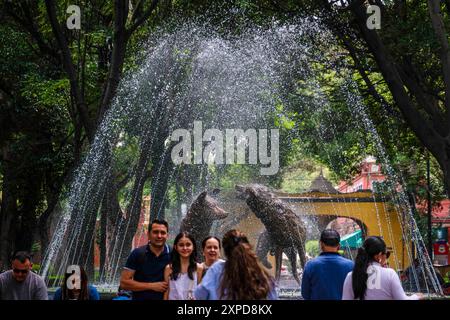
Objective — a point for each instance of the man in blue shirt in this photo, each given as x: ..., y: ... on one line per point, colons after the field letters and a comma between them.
x: 143, y: 273
x: 323, y: 277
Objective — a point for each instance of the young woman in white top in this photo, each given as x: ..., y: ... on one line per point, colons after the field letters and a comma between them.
x: 211, y: 251
x: 370, y: 279
x: 184, y: 273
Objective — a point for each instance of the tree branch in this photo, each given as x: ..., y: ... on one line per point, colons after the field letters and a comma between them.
x: 69, y: 68
x: 352, y: 50
x: 117, y: 57
x: 439, y: 30
x: 121, y: 37
x: 142, y: 19
x: 29, y: 25
x: 421, y: 126
x: 428, y: 102
x: 447, y: 6
x: 370, y: 86
x: 137, y: 10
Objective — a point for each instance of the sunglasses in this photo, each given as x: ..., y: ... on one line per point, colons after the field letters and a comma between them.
x: 22, y: 271
x: 388, y: 254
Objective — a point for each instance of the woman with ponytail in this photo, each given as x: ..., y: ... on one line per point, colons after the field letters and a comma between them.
x: 240, y: 277
x: 370, y: 280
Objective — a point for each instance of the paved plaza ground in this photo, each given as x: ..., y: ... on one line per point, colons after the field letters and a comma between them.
x: 288, y: 289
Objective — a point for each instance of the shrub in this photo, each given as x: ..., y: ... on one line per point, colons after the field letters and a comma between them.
x: 312, y: 248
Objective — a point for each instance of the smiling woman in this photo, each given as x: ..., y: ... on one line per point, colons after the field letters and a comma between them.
x: 211, y: 251
x: 183, y: 273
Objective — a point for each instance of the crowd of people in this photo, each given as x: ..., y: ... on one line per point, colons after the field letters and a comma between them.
x: 156, y: 272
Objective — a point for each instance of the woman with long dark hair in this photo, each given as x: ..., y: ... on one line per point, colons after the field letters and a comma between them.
x: 370, y: 280
x: 240, y: 277
x: 80, y: 288
x: 183, y: 273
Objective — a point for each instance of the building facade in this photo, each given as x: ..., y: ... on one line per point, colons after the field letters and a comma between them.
x: 371, y: 174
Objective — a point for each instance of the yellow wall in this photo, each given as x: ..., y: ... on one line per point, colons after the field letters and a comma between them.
x: 375, y: 215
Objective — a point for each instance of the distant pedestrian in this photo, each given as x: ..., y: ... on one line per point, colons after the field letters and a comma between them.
x: 183, y: 273
x: 76, y: 287
x: 143, y: 273
x: 20, y: 283
x: 240, y: 277
x: 211, y: 252
x: 323, y: 277
x: 369, y: 280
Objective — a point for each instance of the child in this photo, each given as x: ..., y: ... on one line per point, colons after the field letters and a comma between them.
x: 183, y: 273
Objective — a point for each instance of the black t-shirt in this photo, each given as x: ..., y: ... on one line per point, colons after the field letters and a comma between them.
x: 148, y: 268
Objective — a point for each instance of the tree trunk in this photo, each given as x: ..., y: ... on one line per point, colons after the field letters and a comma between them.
x: 110, y: 215
x: 8, y: 212
x: 86, y: 257
x: 120, y: 40
x: 160, y: 182
x: 28, y: 221
x: 133, y: 214
x: 81, y: 235
x: 128, y: 226
x: 53, y: 191
x: 70, y: 69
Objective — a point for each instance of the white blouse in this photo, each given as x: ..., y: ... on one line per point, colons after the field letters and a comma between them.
x: 183, y: 288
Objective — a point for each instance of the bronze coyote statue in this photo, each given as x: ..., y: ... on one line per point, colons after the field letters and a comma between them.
x: 285, y: 232
x: 200, y: 217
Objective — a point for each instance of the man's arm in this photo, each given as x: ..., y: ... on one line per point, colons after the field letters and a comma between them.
x: 167, y: 272
x: 127, y: 283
